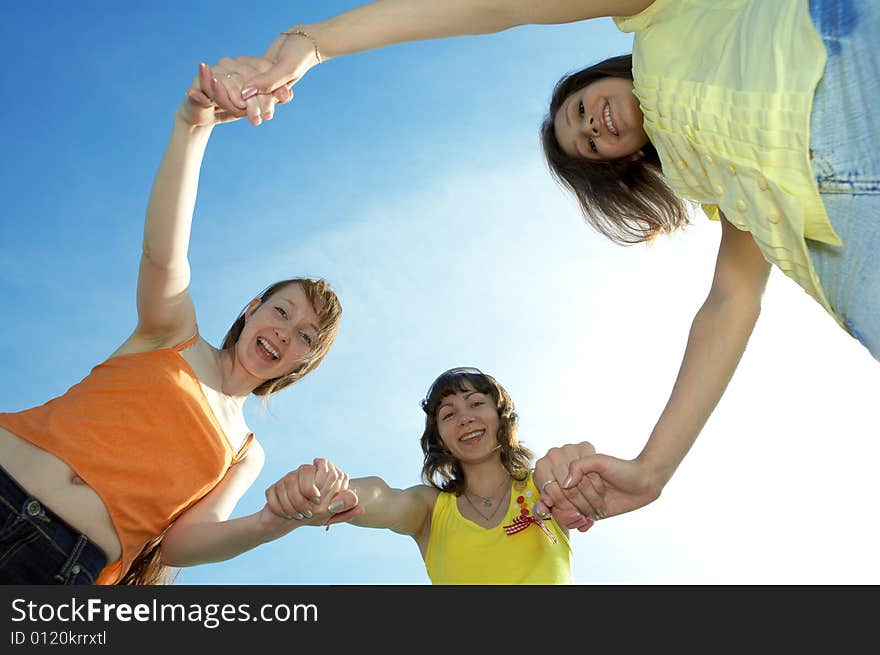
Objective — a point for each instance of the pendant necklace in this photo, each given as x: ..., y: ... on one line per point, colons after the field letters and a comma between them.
x: 487, y: 502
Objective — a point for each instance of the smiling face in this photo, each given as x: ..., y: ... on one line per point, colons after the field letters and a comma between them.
x: 601, y: 121
x: 468, y: 424
x: 278, y: 333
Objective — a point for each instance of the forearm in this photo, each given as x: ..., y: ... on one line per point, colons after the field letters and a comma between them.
x: 717, y: 340
x: 204, y: 542
x: 173, y: 197
x: 402, y: 511
x: 387, y: 22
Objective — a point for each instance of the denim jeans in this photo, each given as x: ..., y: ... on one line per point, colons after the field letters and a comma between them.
x: 38, y: 547
x: 844, y: 139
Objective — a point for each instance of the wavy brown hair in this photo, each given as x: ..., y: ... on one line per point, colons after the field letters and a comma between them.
x: 626, y: 200
x: 441, y: 469
x: 147, y: 568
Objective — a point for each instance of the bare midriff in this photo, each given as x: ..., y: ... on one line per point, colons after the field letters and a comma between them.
x: 57, y: 486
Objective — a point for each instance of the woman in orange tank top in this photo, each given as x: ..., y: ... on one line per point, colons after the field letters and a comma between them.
x: 166, y: 404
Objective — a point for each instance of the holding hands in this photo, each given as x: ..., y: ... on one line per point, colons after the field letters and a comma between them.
x: 575, y: 508
x: 214, y: 96
x: 576, y: 483
x: 313, y: 494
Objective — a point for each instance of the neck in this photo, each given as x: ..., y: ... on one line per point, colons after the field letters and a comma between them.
x: 485, y: 478
x: 235, y: 381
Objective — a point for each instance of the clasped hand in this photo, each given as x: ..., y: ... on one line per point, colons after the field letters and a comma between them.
x: 312, y: 494
x: 214, y: 96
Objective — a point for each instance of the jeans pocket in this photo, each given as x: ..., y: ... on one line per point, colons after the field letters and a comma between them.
x: 16, y: 534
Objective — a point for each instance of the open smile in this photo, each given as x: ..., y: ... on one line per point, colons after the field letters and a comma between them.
x: 472, y: 437
x: 268, y: 351
x: 609, y: 121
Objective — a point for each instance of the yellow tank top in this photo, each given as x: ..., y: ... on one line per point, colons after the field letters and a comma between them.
x: 462, y: 552
x: 726, y: 88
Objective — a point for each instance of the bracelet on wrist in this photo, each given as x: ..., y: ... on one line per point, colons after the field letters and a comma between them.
x: 298, y: 31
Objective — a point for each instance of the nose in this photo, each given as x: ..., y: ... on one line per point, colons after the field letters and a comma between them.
x: 593, y: 126
x: 465, y: 419
x: 282, y: 336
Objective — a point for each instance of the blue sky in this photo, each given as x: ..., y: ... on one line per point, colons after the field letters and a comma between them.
x: 411, y: 178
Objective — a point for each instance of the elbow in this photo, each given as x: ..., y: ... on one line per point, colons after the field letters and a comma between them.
x: 737, y: 307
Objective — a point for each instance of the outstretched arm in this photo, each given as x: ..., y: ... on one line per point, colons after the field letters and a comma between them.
x: 718, y: 337
x: 313, y: 494
x: 166, y: 315
x: 387, y: 22
x: 405, y: 511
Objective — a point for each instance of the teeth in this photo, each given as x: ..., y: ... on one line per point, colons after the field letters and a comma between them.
x: 268, y: 347
x: 472, y: 435
x: 608, y: 123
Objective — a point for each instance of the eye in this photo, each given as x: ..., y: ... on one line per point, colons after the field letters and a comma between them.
x: 281, y: 311
x: 446, y: 416
x: 306, y: 337
x: 581, y: 110
x: 477, y: 403
x: 592, y: 144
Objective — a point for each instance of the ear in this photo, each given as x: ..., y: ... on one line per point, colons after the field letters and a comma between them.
x: 251, y: 308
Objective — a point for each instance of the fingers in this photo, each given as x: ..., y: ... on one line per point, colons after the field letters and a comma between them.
x: 289, y: 497
x: 279, y: 503
x: 343, y: 507
x: 329, y: 478
x: 263, y: 84
x: 578, y: 468
x: 283, y: 95
x: 222, y: 86
x: 573, y: 520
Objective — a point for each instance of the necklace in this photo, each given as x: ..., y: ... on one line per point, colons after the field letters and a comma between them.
x: 487, y: 502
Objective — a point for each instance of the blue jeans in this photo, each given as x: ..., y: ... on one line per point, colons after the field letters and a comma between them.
x: 38, y: 547
x: 844, y: 139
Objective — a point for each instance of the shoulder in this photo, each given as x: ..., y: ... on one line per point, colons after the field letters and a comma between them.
x: 425, y: 493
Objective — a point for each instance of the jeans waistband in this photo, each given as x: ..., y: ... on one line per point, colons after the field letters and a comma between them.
x: 81, y: 551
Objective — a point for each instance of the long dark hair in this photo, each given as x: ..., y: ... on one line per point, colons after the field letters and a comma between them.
x: 626, y: 200
x: 441, y: 470
x: 147, y: 568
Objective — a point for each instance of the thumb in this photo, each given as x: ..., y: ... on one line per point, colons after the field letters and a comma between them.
x: 344, y: 507
x: 265, y: 82
x: 343, y: 501
x: 581, y: 466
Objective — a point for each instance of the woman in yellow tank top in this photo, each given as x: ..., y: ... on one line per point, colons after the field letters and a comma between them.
x: 474, y: 519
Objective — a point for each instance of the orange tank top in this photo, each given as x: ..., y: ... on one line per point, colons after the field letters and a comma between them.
x: 140, y: 432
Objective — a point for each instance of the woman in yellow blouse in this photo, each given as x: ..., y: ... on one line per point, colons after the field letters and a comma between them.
x: 760, y: 112
x: 473, y: 519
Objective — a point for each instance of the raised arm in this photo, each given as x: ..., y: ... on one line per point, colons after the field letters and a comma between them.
x: 718, y: 338
x: 387, y: 22
x: 166, y: 315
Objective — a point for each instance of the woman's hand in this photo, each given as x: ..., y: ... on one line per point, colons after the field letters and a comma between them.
x: 209, y: 99
x: 313, y: 494
x: 290, y: 56
x: 628, y: 484
x: 575, y: 508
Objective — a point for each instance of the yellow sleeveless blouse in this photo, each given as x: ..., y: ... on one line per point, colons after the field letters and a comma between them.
x: 461, y: 552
